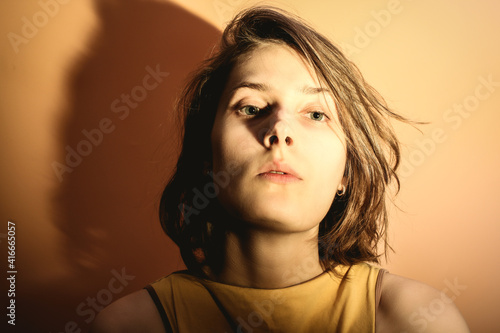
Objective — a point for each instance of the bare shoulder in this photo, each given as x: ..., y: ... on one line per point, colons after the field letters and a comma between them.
x: 410, y: 306
x: 135, y: 312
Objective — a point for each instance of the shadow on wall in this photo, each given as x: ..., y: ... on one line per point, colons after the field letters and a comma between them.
x: 118, y: 147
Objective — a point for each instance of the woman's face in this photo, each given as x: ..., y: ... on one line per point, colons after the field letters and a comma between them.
x: 277, y: 142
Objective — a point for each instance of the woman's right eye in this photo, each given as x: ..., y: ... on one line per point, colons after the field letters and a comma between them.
x: 250, y: 110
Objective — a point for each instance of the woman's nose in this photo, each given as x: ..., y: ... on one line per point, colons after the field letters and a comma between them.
x: 279, y: 133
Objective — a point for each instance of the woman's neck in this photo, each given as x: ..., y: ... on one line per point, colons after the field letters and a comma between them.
x: 260, y: 259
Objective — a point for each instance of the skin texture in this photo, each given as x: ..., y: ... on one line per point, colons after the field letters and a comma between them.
x: 276, y: 217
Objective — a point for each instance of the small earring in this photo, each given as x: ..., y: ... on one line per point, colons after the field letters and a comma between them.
x: 207, y: 169
x: 342, y: 191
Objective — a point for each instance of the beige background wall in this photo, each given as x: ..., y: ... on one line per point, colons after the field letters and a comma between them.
x: 88, y: 233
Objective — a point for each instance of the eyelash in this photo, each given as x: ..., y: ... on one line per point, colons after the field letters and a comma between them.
x: 324, y: 115
x: 256, y: 110
x: 259, y: 111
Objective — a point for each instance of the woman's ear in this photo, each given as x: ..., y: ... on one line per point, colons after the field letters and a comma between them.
x: 342, y: 187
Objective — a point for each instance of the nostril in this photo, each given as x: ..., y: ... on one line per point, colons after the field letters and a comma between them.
x: 273, y: 139
x: 288, y: 140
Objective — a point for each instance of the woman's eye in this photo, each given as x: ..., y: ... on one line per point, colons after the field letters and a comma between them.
x: 250, y: 110
x: 317, y: 115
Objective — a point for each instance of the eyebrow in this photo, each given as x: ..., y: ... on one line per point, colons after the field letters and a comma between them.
x: 313, y: 90
x: 307, y: 90
x: 251, y: 85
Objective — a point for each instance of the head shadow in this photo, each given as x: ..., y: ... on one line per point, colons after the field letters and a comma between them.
x: 118, y: 145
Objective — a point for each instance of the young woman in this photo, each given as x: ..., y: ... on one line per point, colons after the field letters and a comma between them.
x: 278, y: 199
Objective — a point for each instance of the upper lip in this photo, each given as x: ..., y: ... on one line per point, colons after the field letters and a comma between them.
x: 279, y: 167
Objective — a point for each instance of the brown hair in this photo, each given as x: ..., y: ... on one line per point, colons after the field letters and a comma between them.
x: 356, y: 221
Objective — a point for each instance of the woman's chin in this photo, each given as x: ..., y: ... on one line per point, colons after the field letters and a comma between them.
x: 280, y: 222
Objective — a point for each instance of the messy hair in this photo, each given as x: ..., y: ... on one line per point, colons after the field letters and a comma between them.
x: 356, y: 221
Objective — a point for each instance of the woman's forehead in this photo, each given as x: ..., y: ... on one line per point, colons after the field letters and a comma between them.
x: 273, y: 64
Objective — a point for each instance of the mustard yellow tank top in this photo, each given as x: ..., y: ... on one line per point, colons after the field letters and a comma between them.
x: 326, y: 303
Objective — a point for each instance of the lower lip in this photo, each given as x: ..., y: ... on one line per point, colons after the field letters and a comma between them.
x: 279, y: 178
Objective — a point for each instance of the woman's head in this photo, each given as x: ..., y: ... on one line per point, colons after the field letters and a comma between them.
x: 279, y: 127
x: 242, y: 118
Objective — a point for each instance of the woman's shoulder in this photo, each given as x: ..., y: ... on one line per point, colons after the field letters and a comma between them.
x: 135, y: 312
x: 407, y: 305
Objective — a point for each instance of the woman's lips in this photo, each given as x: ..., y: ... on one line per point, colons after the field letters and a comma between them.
x: 278, y: 177
x: 278, y: 172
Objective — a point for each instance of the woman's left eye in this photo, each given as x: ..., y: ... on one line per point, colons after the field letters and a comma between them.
x: 317, y: 115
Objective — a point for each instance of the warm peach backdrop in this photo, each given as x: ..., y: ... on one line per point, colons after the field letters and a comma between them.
x: 66, y: 67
